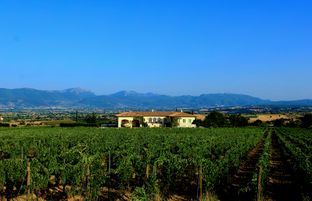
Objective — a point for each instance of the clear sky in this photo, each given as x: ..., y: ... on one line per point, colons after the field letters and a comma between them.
x: 257, y: 47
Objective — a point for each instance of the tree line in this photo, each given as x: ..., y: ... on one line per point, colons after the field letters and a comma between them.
x: 303, y: 122
x: 218, y: 119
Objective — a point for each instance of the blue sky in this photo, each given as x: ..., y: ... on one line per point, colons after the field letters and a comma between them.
x: 259, y: 47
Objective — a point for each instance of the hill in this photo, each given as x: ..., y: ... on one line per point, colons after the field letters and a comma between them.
x: 26, y: 97
x: 80, y: 98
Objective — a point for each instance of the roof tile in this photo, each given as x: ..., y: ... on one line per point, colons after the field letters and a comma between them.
x: 154, y: 114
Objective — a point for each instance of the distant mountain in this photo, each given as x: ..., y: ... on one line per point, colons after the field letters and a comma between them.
x: 77, y: 93
x: 131, y: 93
x: 134, y: 100
x: 80, y: 98
x: 306, y: 102
x: 26, y: 97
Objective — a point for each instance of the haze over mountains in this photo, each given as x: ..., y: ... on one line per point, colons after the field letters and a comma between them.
x: 80, y: 98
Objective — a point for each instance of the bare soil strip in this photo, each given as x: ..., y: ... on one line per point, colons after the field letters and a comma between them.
x: 281, y: 184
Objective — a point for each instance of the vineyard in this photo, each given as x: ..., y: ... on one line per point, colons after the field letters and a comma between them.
x: 151, y: 164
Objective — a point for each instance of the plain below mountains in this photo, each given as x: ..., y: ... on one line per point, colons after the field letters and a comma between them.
x: 80, y: 98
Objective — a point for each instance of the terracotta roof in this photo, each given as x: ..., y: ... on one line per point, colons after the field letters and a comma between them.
x: 154, y: 114
x: 200, y: 116
x: 181, y: 114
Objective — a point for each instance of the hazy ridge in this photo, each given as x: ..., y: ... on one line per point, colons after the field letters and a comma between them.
x: 77, y: 97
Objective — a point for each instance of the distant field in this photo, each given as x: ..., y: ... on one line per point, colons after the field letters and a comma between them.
x: 262, y: 117
x: 146, y: 164
x: 269, y: 117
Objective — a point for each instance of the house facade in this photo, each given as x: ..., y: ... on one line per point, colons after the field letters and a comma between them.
x: 156, y: 119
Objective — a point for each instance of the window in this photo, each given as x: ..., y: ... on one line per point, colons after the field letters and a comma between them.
x: 150, y: 120
x: 154, y: 120
x: 159, y: 120
x: 184, y: 120
x: 190, y: 121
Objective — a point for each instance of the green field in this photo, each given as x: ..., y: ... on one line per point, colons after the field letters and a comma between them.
x: 139, y: 164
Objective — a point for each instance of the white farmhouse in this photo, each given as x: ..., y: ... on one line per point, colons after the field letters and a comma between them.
x: 156, y: 119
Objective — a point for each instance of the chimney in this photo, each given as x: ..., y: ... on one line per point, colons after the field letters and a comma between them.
x: 153, y: 110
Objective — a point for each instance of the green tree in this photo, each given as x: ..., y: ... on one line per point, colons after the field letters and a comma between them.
x: 138, y: 122
x: 293, y: 123
x: 237, y: 120
x: 90, y: 118
x: 279, y: 122
x: 172, y: 122
x: 258, y: 122
x: 215, y: 119
x: 198, y: 122
x: 306, y: 121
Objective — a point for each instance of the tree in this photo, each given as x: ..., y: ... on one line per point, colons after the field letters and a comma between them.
x: 279, y: 122
x: 173, y: 122
x: 258, y: 122
x: 306, y: 121
x: 91, y: 118
x: 198, y: 122
x: 237, y: 120
x: 138, y: 122
x: 293, y: 123
x: 215, y: 119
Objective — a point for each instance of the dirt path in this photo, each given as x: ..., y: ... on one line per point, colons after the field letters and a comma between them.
x: 281, y: 185
x: 241, y: 188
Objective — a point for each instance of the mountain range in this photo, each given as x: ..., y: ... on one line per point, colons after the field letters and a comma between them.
x: 80, y: 98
